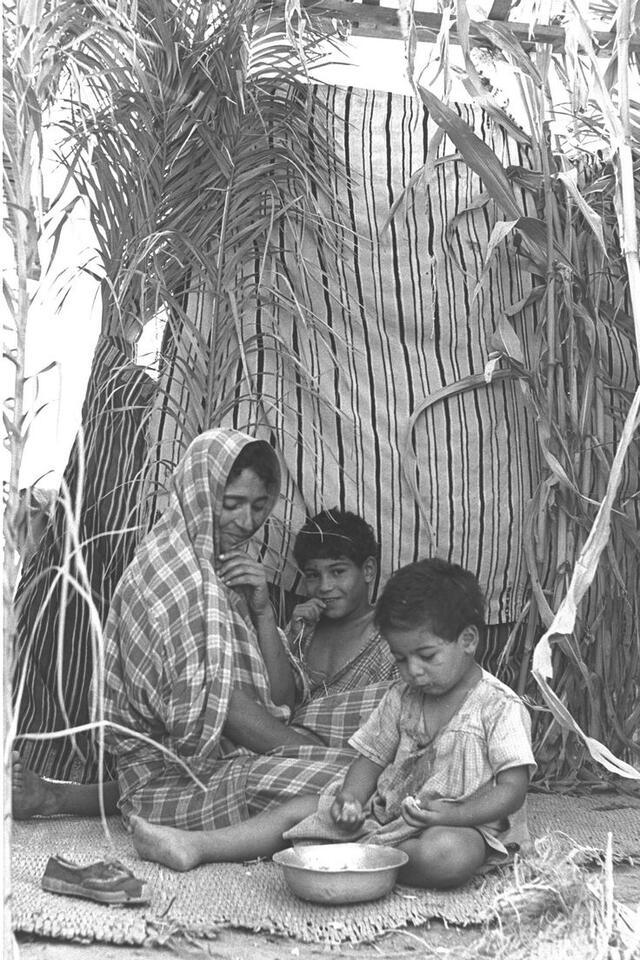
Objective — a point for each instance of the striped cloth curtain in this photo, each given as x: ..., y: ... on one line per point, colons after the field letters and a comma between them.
x: 396, y: 321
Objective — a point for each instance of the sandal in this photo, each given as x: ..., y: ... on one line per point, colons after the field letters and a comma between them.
x: 106, y: 881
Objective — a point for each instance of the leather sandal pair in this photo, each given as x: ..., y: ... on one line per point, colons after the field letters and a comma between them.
x: 106, y: 881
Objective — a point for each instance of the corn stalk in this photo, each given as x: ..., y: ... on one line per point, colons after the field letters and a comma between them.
x: 190, y: 156
x: 617, y: 126
x: 52, y: 52
x: 30, y: 75
x: 582, y: 253
x: 23, y: 127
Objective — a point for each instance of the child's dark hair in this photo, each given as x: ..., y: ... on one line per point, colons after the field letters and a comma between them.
x: 432, y: 593
x: 333, y: 534
x: 259, y: 457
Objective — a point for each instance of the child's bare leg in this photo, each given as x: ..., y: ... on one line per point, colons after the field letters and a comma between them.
x: 33, y: 795
x: 185, y: 849
x: 443, y: 857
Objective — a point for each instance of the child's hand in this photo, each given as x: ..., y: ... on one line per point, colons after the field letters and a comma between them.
x: 346, y: 812
x: 305, y: 616
x: 428, y: 813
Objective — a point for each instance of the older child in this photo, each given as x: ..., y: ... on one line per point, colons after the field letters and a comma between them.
x: 444, y: 760
x: 332, y: 634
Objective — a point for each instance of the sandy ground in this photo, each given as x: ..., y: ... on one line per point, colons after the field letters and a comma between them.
x: 430, y: 940
x: 244, y: 945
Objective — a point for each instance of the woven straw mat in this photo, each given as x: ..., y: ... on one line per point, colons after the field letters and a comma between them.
x: 254, y: 896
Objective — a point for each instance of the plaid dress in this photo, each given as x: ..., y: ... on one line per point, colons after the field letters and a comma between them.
x: 331, y: 706
x: 177, y: 642
x: 373, y: 663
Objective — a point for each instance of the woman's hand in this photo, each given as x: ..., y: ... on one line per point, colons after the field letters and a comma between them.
x: 346, y: 812
x: 247, y: 576
x: 249, y: 724
x: 242, y: 573
x: 305, y: 617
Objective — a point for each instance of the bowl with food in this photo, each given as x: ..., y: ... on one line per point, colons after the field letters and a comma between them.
x: 340, y: 872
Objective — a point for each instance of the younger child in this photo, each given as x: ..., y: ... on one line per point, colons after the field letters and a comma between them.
x: 444, y: 761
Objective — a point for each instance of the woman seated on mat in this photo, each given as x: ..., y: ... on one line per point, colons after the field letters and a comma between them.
x: 194, y: 661
x: 443, y: 762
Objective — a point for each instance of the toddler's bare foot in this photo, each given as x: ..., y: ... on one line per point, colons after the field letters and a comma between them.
x: 31, y: 794
x: 178, y: 849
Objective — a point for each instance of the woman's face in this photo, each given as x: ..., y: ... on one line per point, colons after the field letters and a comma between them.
x: 245, y: 507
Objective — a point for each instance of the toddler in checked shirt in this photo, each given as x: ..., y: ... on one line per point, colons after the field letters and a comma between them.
x: 445, y: 759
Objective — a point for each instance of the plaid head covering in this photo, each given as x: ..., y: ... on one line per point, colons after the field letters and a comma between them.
x: 177, y: 640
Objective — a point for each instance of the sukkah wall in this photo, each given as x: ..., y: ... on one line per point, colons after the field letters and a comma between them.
x: 397, y: 323
x: 406, y: 328
x: 401, y: 322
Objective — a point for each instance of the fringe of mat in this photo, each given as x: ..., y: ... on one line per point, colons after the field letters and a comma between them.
x: 255, y: 897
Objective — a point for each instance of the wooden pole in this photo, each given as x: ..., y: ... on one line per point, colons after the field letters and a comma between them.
x: 372, y: 21
x: 626, y: 195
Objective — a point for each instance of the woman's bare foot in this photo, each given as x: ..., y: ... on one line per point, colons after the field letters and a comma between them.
x: 178, y: 849
x: 31, y: 794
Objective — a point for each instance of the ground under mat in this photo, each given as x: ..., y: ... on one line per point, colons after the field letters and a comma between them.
x: 255, y: 897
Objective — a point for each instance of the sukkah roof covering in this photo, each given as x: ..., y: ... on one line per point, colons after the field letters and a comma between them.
x: 530, y: 21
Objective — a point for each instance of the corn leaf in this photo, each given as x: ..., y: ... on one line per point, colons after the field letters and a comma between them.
x: 593, y: 219
x: 500, y: 230
x: 506, y: 42
x: 475, y: 152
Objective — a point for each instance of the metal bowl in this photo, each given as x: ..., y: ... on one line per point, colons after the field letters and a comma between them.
x: 340, y: 872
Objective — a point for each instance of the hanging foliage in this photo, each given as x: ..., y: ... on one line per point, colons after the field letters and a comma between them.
x: 578, y: 373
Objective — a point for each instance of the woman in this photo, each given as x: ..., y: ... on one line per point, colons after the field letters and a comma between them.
x: 195, y: 663
x: 194, y: 659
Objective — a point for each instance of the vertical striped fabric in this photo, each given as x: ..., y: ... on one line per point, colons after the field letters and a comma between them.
x: 55, y: 637
x: 396, y: 321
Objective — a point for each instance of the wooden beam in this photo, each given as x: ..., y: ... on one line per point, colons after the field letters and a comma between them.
x: 372, y: 21
x: 500, y: 10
